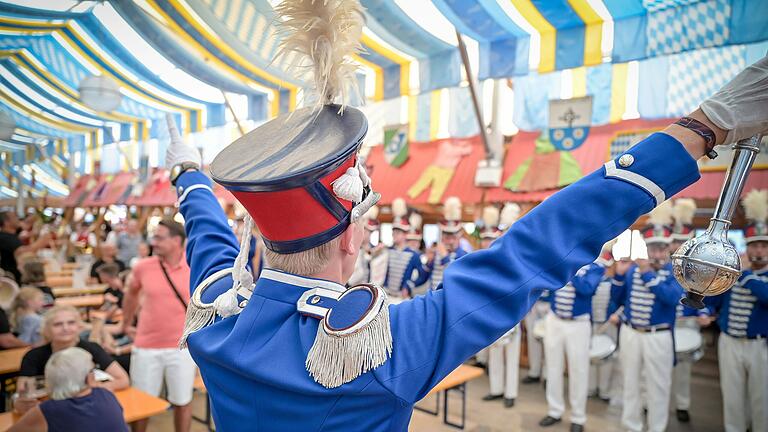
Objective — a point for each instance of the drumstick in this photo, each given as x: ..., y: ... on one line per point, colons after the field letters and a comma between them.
x: 604, y: 326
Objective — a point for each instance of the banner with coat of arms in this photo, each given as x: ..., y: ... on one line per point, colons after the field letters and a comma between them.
x: 396, y: 144
x: 569, y: 122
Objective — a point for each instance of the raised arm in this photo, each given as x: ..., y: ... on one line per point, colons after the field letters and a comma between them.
x: 586, y: 284
x: 489, y: 291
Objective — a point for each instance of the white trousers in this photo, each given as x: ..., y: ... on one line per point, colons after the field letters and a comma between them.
x: 648, y: 357
x: 535, y: 346
x: 567, y: 339
x: 681, y: 384
x: 744, y: 382
x: 504, y: 365
x: 603, y: 377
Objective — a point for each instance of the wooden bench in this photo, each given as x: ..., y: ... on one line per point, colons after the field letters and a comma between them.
x: 136, y: 404
x: 69, y: 291
x: 455, y: 381
x: 58, y: 281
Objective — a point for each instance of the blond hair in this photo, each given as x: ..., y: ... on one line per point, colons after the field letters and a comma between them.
x: 21, y: 302
x: 51, y: 314
x: 304, y: 263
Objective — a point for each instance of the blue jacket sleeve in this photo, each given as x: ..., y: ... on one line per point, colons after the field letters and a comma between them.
x: 211, y: 244
x: 714, y: 303
x: 423, y: 273
x: 586, y: 284
x: 619, y: 291
x: 759, y: 286
x: 489, y: 291
x: 667, y: 290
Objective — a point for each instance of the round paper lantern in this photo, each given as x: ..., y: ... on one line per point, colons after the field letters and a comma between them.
x: 100, y: 93
x: 7, y: 125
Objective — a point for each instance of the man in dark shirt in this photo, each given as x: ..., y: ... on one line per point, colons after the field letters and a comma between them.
x: 11, y: 246
x: 108, y: 253
x: 7, y: 339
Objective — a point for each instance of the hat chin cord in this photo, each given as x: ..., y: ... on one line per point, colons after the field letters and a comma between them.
x: 227, y: 304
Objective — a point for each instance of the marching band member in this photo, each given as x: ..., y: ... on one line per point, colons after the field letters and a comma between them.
x: 683, y: 212
x: 568, y: 333
x: 299, y: 351
x: 504, y: 354
x: 604, y: 378
x: 402, y: 260
x: 650, y: 294
x: 448, y: 249
x: 362, y: 273
x: 419, y: 280
x: 742, y: 315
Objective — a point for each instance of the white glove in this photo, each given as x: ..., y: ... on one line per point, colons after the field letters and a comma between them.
x: 178, y: 152
x: 741, y: 106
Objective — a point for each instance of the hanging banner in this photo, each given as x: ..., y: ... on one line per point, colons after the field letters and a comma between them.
x: 396, y: 144
x: 569, y: 122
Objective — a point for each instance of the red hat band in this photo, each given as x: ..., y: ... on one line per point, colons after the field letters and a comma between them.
x: 756, y: 232
x: 657, y: 234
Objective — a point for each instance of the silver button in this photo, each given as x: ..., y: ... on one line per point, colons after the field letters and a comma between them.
x: 244, y: 303
x: 626, y: 160
x: 315, y: 300
x: 181, y: 189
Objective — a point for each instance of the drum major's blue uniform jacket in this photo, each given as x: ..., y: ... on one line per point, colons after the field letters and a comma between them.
x: 253, y: 363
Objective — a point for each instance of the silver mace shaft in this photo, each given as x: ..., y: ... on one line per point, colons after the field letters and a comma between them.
x: 709, y: 264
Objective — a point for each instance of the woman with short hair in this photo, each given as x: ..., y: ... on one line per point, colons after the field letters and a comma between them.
x: 61, y: 328
x: 73, y: 404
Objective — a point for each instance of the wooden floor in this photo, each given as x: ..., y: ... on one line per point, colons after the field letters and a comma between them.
x: 706, y: 409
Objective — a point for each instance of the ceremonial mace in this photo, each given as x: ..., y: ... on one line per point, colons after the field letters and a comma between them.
x: 708, y: 264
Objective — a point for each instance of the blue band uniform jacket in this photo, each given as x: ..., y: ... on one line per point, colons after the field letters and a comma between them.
x: 253, y: 364
x: 575, y: 298
x: 437, y: 267
x: 650, y: 299
x: 743, y: 311
x: 401, y: 266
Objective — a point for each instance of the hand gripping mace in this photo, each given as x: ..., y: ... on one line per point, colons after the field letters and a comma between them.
x: 708, y: 264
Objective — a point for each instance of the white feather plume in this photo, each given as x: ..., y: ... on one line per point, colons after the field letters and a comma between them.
x: 324, y: 34
x: 509, y: 214
x: 399, y: 209
x: 661, y: 215
x: 491, y: 216
x: 415, y: 220
x: 684, y: 211
x: 756, y: 205
x: 372, y: 213
x: 452, y: 209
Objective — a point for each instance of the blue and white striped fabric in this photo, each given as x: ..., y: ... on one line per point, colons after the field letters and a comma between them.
x: 743, y: 311
x: 532, y: 95
x: 575, y: 298
x: 649, y: 299
x: 400, y: 266
x: 699, y: 25
x: 601, y: 300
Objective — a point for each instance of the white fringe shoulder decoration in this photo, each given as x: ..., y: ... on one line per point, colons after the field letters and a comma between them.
x: 339, y: 356
x: 756, y: 205
x: 324, y: 34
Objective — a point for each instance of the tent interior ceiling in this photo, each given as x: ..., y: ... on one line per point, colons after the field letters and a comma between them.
x: 179, y: 56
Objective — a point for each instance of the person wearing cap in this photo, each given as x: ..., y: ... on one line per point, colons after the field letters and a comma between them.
x: 419, y: 278
x: 296, y: 350
x: 404, y: 264
x: 449, y: 248
x: 568, y: 332
x: 605, y: 377
x: 742, y: 315
x: 504, y: 354
x: 683, y: 212
x: 649, y: 295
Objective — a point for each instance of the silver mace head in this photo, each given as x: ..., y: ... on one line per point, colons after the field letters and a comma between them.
x: 709, y: 264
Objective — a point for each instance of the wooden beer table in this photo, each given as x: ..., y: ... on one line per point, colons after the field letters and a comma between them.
x: 69, y: 291
x: 455, y: 381
x: 136, y: 404
x: 86, y: 301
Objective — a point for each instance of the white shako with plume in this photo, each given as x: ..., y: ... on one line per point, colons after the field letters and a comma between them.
x: 451, y: 222
x: 490, y: 223
x: 756, y: 210
x: 399, y: 210
x: 659, y: 228
x: 509, y: 215
x: 415, y: 221
x: 683, y: 212
x: 300, y: 180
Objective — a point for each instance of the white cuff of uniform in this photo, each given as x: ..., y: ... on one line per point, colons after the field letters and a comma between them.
x: 185, y: 192
x: 612, y: 171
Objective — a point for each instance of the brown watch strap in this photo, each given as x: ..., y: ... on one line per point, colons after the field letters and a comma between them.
x: 703, y: 131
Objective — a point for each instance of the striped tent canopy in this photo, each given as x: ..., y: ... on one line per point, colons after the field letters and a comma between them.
x: 180, y: 56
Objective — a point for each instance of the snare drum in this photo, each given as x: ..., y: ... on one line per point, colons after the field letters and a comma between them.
x: 688, y: 344
x: 601, y: 348
x: 540, y: 329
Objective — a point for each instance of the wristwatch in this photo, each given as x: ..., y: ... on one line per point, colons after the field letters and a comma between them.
x: 180, y: 168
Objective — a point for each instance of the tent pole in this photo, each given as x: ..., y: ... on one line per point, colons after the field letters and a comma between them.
x: 473, y: 92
